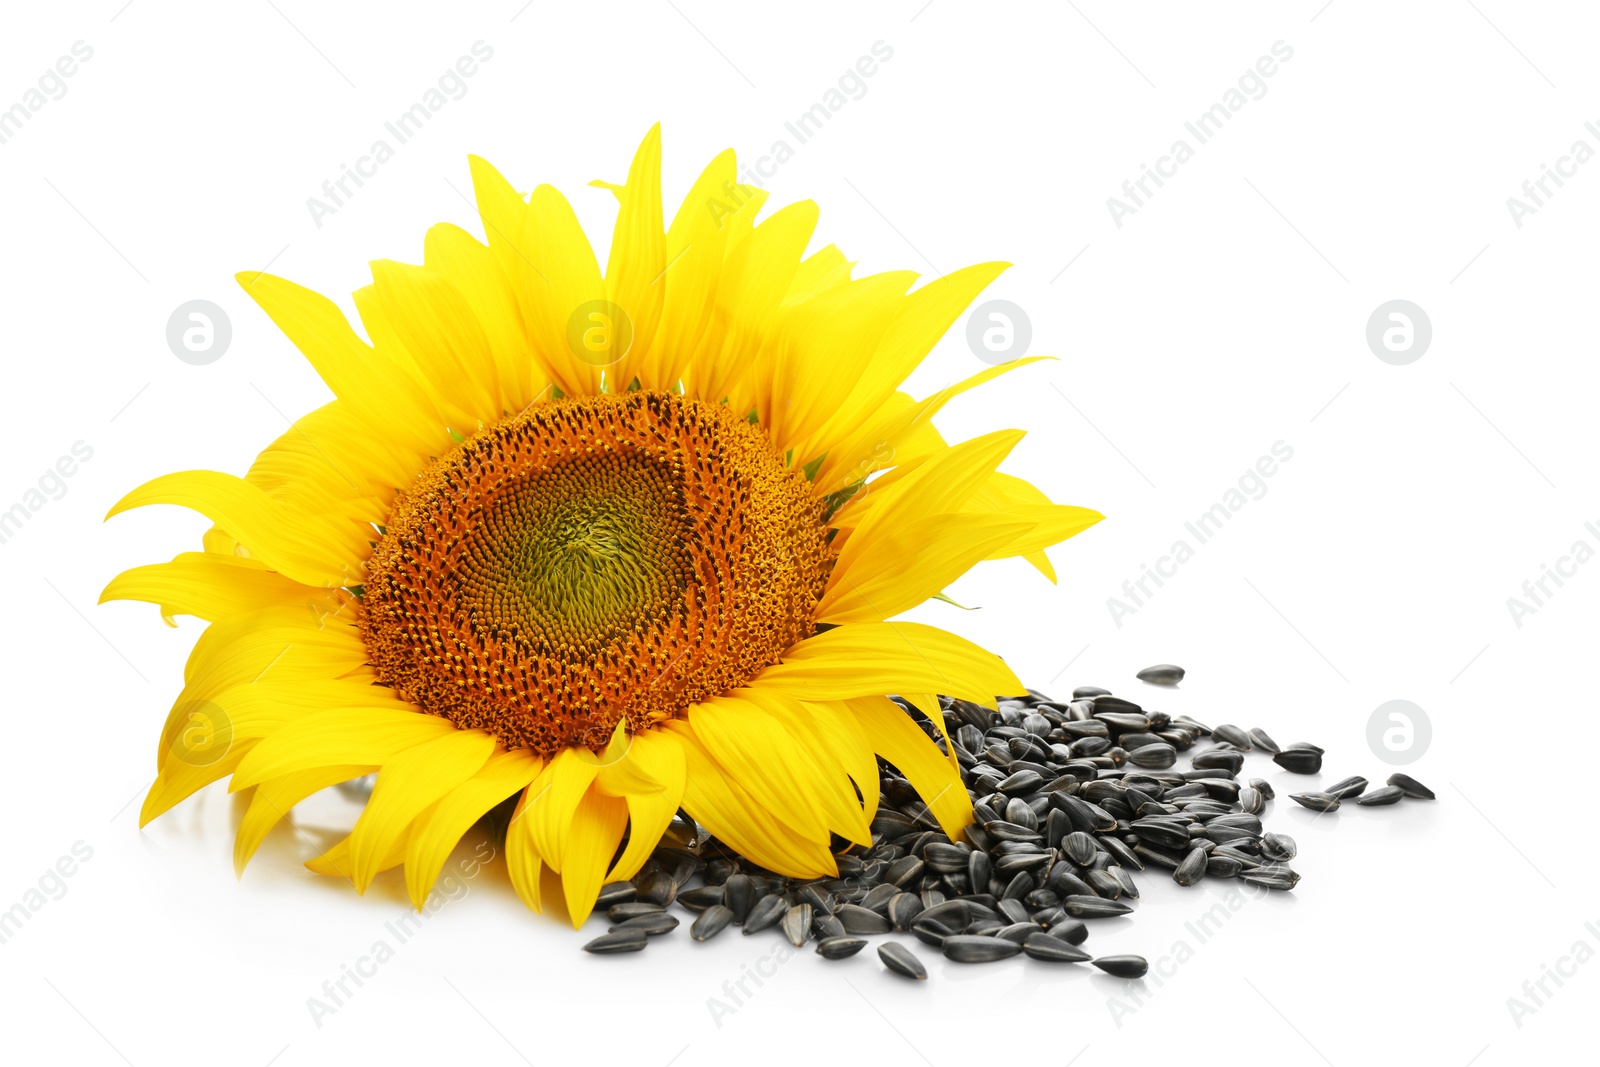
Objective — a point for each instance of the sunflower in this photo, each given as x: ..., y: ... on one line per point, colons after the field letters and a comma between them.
x: 613, y: 544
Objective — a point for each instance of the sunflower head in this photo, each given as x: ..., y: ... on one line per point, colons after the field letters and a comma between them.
x: 592, y: 561
x: 616, y: 544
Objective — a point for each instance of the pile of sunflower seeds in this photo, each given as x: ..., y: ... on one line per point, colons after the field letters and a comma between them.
x: 1071, y: 798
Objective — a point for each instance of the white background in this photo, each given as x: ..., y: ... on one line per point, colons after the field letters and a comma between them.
x: 1227, y: 314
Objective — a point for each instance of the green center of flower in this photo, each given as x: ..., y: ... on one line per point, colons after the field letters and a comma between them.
x: 578, y: 555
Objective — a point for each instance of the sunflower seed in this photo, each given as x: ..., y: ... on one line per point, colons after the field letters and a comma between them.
x: 1123, y: 966
x: 1242, y: 821
x: 1264, y: 787
x: 615, y: 893
x: 1072, y: 931
x: 980, y: 868
x: 1231, y: 735
x: 1018, y: 812
x: 657, y: 887
x: 878, y: 897
x: 1080, y: 848
x: 618, y: 941
x: 1089, y: 691
x: 930, y: 932
x: 837, y: 948
x: 966, y: 948
x: 711, y: 922
x: 768, y: 910
x: 1154, y: 757
x: 1229, y: 852
x: 1316, y: 801
x: 1412, y: 787
x: 1161, y: 674
x: 821, y: 902
x: 1299, y: 760
x: 906, y: 872
x: 1159, y: 857
x: 739, y: 894
x: 952, y: 913
x: 1021, y: 783
x: 1085, y: 907
x: 1192, y: 869
x: 899, y: 959
x: 1042, y: 946
x: 1222, y: 866
x: 796, y: 924
x: 859, y: 920
x: 1280, y: 847
x: 1274, y: 876
x: 825, y: 926
x: 1347, y: 788
x: 1104, y: 884
x: 1017, y: 932
x: 1121, y: 853
x: 1161, y: 832
x: 1262, y: 740
x: 1014, y: 910
x: 701, y: 898
x: 658, y: 923
x: 1218, y: 759
x: 1386, y: 794
x: 633, y: 909
x: 904, y: 909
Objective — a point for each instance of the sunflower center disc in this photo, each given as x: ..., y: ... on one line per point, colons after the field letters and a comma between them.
x: 590, y: 561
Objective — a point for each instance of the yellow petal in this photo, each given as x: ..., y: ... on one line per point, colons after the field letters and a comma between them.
x: 330, y: 462
x: 271, y: 800
x: 597, y: 826
x: 345, y: 735
x: 210, y: 586
x: 564, y: 280
x: 522, y: 856
x: 406, y: 786
x: 928, y: 704
x: 335, y: 863
x: 550, y: 801
x: 921, y: 319
x: 504, y: 212
x: 754, y: 747
x: 731, y: 813
x: 849, y: 746
x: 439, y: 330
x: 891, y: 435
x: 650, y: 778
x: 755, y: 277
x: 482, y: 282
x: 179, y: 780
x: 383, y: 395
x: 900, y: 741
x: 940, y: 485
x: 437, y: 831
x: 821, y: 349
x: 889, y: 657
x: 696, y: 241
x: 634, y: 280
x: 307, y: 548
x: 904, y: 565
